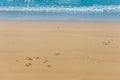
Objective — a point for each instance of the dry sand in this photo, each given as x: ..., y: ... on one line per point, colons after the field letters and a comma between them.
x: 38, y: 50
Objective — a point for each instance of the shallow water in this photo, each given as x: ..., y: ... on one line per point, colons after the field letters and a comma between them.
x: 60, y: 10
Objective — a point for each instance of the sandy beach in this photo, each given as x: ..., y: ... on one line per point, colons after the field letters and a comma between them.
x: 43, y: 50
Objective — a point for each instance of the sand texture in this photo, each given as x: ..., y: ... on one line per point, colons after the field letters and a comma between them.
x: 38, y: 50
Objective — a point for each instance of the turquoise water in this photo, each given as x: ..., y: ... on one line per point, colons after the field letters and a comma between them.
x: 60, y: 10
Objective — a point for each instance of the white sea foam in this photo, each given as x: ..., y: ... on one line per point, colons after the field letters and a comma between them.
x: 110, y: 8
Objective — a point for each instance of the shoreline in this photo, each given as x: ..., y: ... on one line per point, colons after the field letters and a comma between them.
x: 69, y: 21
x: 88, y: 21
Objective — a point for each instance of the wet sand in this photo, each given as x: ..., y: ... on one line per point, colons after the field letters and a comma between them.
x: 38, y: 50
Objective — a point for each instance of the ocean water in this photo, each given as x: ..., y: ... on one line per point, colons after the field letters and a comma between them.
x: 98, y: 10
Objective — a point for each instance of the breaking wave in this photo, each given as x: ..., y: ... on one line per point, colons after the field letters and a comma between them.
x: 110, y: 8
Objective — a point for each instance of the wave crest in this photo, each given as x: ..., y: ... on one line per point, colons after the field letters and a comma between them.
x: 110, y: 8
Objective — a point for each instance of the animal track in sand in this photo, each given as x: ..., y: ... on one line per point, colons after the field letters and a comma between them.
x: 107, y: 42
x: 57, y: 54
x: 28, y: 58
x: 49, y: 65
x: 37, y: 57
x: 17, y: 60
x: 28, y: 64
x: 45, y: 61
x: 31, y: 59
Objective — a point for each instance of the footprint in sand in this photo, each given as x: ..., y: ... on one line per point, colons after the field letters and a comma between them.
x: 45, y: 61
x: 17, y: 60
x: 57, y: 54
x: 37, y: 57
x: 28, y: 58
x: 28, y: 64
x: 49, y: 65
x: 107, y: 42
